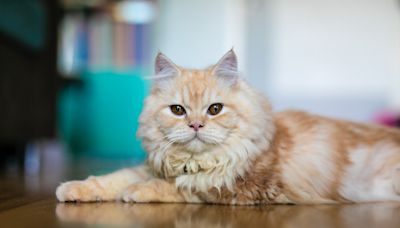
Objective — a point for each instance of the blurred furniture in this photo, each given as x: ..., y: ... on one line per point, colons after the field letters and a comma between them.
x: 28, y: 75
x: 107, y: 45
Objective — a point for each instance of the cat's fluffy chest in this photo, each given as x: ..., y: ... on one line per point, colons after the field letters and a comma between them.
x: 213, y: 169
x: 188, y: 163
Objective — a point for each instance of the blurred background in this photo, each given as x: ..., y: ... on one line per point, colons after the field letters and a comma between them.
x: 72, y: 71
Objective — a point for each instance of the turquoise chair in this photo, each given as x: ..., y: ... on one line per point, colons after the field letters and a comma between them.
x: 98, y: 117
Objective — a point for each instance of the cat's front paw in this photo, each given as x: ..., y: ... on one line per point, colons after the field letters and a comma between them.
x: 155, y: 190
x: 139, y: 193
x: 81, y: 191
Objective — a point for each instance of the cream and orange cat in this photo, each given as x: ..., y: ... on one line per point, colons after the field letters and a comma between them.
x: 211, y: 138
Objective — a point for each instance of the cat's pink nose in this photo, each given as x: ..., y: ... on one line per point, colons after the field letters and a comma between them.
x: 196, y: 125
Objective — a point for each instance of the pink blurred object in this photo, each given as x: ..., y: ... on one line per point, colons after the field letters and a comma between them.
x: 387, y: 118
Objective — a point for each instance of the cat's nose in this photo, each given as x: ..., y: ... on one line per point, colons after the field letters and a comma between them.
x: 196, y: 125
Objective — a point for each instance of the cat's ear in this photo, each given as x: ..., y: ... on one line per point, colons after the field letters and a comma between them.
x: 227, y: 68
x: 164, y: 67
x: 165, y: 70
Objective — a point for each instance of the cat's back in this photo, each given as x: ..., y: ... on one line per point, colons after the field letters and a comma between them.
x: 329, y: 157
x: 301, y: 124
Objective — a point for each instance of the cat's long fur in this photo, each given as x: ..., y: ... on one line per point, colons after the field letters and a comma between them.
x: 246, y: 154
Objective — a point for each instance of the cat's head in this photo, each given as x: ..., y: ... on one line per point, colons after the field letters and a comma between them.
x: 194, y: 112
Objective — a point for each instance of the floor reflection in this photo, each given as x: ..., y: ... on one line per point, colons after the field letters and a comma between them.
x: 192, y: 215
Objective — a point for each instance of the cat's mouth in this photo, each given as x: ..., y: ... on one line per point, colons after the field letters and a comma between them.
x: 197, y: 144
x: 198, y: 138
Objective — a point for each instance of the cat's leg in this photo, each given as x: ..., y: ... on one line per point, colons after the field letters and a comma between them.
x: 102, y: 188
x: 158, y: 190
x: 165, y: 191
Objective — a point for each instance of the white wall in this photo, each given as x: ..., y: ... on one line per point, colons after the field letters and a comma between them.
x: 196, y: 33
x: 335, y: 51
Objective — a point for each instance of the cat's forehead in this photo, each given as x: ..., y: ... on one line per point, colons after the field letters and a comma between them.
x: 196, y: 86
x: 196, y: 80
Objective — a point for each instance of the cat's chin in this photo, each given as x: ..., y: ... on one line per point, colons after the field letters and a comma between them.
x: 196, y: 145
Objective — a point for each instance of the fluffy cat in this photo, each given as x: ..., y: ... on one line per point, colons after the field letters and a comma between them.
x: 211, y: 138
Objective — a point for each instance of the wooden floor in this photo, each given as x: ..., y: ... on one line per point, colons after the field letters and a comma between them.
x: 26, y: 202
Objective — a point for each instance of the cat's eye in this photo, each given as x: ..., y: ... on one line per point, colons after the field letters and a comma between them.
x: 214, y: 109
x: 177, y: 110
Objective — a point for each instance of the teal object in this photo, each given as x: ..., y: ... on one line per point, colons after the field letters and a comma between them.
x: 99, y: 117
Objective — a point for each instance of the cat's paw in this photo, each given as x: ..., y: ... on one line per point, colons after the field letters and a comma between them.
x: 155, y: 190
x: 139, y: 193
x: 81, y: 191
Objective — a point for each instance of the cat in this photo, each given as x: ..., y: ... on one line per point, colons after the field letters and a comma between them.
x: 211, y: 138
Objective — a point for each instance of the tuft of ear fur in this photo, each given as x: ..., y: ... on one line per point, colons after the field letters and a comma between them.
x: 227, y: 68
